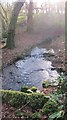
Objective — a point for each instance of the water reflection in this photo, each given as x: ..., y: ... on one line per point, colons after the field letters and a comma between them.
x: 31, y: 71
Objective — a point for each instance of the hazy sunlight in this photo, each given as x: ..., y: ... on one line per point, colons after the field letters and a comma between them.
x: 39, y: 2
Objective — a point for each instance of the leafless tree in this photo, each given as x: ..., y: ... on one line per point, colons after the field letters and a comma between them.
x: 11, y: 30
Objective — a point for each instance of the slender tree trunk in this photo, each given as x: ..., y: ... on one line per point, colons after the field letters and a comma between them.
x: 12, y: 25
x: 66, y: 60
x: 30, y: 17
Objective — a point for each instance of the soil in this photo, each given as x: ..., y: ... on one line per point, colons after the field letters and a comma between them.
x: 24, y: 41
x: 51, y: 38
x: 9, y: 112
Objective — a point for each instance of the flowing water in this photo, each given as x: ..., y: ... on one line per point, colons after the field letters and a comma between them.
x: 31, y: 71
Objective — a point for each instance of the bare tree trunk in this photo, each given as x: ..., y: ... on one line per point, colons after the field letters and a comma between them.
x: 0, y: 28
x: 12, y: 25
x: 66, y: 60
x: 30, y: 17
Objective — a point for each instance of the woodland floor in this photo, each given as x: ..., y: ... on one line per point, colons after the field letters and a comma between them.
x: 24, y: 41
x: 8, y: 112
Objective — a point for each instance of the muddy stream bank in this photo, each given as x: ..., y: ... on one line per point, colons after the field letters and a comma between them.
x: 30, y: 71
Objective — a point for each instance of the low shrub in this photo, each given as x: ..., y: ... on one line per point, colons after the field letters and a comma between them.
x: 23, y: 115
x: 62, y: 84
x: 37, y: 100
x: 36, y: 116
x: 14, y: 98
x: 45, y: 84
x: 54, y: 107
x: 19, y: 114
x: 57, y: 116
x: 34, y: 89
x: 17, y: 99
x: 50, y: 107
x: 24, y: 89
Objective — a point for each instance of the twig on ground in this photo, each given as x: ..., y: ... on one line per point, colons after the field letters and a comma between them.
x: 21, y: 107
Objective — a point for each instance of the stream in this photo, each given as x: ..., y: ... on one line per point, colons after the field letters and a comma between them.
x: 30, y: 71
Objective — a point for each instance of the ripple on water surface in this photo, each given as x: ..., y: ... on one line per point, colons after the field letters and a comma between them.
x: 31, y: 71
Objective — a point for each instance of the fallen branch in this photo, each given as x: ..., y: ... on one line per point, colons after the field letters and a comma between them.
x: 21, y: 107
